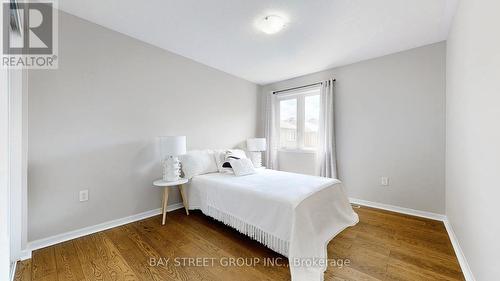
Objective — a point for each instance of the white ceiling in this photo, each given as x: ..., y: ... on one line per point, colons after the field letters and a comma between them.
x: 320, y: 34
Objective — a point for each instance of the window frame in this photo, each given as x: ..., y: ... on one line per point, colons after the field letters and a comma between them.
x: 300, y: 95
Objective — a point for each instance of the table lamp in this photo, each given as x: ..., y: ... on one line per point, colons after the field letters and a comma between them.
x: 170, y: 148
x: 256, y: 146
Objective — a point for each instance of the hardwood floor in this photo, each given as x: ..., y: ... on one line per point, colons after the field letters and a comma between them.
x: 382, y: 246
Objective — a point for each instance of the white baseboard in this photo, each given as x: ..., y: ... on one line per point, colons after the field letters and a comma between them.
x: 464, y: 265
x: 397, y: 209
x: 52, y: 240
x: 49, y: 241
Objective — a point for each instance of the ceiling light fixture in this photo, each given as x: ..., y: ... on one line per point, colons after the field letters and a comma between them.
x: 272, y: 24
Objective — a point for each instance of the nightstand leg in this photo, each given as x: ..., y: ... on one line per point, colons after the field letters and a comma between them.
x: 184, y: 199
x: 164, y: 205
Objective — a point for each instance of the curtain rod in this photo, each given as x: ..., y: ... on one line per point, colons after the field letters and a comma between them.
x: 299, y: 87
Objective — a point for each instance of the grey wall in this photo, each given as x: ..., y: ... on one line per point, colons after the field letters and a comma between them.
x: 93, y: 124
x: 390, y: 121
x: 473, y: 134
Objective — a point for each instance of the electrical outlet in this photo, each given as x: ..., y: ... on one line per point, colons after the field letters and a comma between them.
x: 84, y: 195
x: 384, y: 181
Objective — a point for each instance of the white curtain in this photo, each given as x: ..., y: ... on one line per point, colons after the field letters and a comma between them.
x: 326, y: 157
x: 271, y: 132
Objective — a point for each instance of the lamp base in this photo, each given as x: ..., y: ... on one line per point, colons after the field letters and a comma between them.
x: 171, y: 169
x: 256, y: 158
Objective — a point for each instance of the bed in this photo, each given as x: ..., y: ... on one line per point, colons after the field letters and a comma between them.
x: 293, y: 214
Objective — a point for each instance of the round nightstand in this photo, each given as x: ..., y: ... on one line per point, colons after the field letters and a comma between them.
x: 166, y: 186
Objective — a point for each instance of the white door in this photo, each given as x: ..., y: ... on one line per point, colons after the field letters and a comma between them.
x: 5, y: 251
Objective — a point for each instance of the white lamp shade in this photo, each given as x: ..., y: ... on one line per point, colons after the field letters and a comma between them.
x: 257, y: 144
x: 172, y: 145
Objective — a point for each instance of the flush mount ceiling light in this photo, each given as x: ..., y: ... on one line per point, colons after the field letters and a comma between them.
x: 272, y: 24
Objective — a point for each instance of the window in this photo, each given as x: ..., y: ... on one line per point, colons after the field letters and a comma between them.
x: 288, y: 123
x: 298, y: 113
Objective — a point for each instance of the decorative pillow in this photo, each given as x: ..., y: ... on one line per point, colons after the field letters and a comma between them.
x: 222, y: 158
x: 238, y: 153
x: 198, y: 162
x: 242, y: 167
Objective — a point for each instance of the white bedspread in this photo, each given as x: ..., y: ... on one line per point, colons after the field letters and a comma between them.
x: 293, y: 214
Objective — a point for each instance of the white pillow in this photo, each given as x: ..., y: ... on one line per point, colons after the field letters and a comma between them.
x: 238, y: 153
x: 220, y: 158
x: 242, y: 167
x: 198, y: 162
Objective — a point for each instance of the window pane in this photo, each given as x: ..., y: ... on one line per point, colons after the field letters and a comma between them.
x: 288, y: 123
x: 311, y: 107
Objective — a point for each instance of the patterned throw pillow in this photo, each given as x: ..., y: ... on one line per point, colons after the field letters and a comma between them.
x: 229, y: 155
x: 222, y: 159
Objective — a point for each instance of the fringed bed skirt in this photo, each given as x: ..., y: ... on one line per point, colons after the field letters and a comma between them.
x: 272, y: 242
